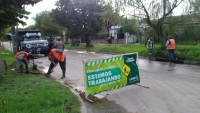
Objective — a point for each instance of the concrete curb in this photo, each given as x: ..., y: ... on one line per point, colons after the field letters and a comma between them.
x: 153, y: 59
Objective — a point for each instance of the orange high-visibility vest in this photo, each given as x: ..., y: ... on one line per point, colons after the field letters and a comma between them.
x: 171, y: 46
x: 21, y: 52
x: 55, y: 55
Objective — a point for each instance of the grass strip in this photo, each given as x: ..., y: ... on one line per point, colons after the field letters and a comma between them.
x: 186, y: 52
x: 33, y: 93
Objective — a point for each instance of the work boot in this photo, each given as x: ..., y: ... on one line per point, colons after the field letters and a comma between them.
x: 63, y: 72
x: 27, y: 71
x: 170, y: 60
x: 21, y: 69
x: 149, y: 58
x: 47, y: 74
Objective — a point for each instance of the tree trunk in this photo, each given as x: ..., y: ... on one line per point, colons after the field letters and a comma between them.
x: 87, y: 42
x: 14, y: 40
x: 0, y: 42
x: 62, y: 36
x: 159, y: 31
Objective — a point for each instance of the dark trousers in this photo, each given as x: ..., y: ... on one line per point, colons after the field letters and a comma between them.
x: 20, y: 63
x: 171, y: 54
x: 62, y: 66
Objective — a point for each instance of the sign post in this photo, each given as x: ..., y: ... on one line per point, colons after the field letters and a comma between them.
x: 111, y: 73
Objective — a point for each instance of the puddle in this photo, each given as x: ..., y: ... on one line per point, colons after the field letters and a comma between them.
x: 38, y: 62
x: 45, y: 69
x: 100, y: 103
x: 105, y: 106
x: 81, y: 51
x: 170, y: 69
x: 93, y: 52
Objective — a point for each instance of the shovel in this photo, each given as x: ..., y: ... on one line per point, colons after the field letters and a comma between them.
x: 34, y: 65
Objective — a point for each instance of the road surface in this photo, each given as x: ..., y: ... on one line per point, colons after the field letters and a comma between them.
x: 174, y: 88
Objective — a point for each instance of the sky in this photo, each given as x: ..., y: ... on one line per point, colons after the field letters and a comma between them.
x: 45, y: 5
x: 50, y: 4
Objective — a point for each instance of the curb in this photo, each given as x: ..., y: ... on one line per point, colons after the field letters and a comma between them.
x: 167, y: 60
x: 154, y: 58
x: 82, y: 107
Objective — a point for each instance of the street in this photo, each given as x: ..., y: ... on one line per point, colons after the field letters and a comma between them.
x: 173, y: 88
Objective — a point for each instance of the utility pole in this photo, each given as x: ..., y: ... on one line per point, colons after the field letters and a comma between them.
x: 14, y: 40
x: 199, y: 7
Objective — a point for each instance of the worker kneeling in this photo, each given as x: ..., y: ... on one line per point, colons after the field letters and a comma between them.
x: 57, y: 56
x: 23, y: 57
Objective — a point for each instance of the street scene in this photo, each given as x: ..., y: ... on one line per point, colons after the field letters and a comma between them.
x: 99, y: 56
x: 172, y: 87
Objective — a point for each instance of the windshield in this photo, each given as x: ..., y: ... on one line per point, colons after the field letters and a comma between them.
x: 32, y: 37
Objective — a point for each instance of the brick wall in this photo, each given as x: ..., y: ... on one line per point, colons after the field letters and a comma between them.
x: 104, y: 41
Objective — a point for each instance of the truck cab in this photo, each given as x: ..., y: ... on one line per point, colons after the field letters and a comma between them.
x: 31, y: 41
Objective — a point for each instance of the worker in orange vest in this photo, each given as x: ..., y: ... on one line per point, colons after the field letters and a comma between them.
x: 171, y: 46
x: 57, y: 56
x: 23, y: 57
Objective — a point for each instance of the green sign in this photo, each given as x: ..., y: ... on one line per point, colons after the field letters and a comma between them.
x: 111, y: 73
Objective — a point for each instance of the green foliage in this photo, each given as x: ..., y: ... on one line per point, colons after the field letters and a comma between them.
x: 81, y: 18
x: 31, y: 93
x: 12, y: 11
x: 7, y: 55
x: 188, y: 52
x: 129, y: 25
x: 155, y: 12
x: 3, y: 32
x: 47, y: 24
x: 111, y: 14
x: 194, y: 6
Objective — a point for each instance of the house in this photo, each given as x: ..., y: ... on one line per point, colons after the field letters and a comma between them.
x: 121, y: 38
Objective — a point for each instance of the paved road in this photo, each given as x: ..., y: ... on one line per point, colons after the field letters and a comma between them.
x: 174, y: 88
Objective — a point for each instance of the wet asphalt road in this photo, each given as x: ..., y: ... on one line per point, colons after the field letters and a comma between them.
x: 174, y: 88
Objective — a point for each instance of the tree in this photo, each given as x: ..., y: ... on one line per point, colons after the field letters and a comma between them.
x: 12, y: 11
x: 194, y: 6
x: 3, y: 33
x: 81, y: 18
x: 154, y: 12
x: 48, y: 26
x: 110, y: 16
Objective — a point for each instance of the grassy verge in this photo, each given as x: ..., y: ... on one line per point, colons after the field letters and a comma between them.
x: 189, y: 52
x: 33, y: 93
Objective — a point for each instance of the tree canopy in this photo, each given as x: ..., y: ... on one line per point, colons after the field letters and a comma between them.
x: 81, y: 18
x: 154, y: 12
x: 47, y: 24
x: 12, y: 11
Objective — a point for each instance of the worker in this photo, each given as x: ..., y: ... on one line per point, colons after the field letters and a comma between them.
x: 171, y: 46
x: 150, y: 47
x: 50, y: 45
x: 57, y: 56
x: 59, y: 44
x: 23, y: 57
